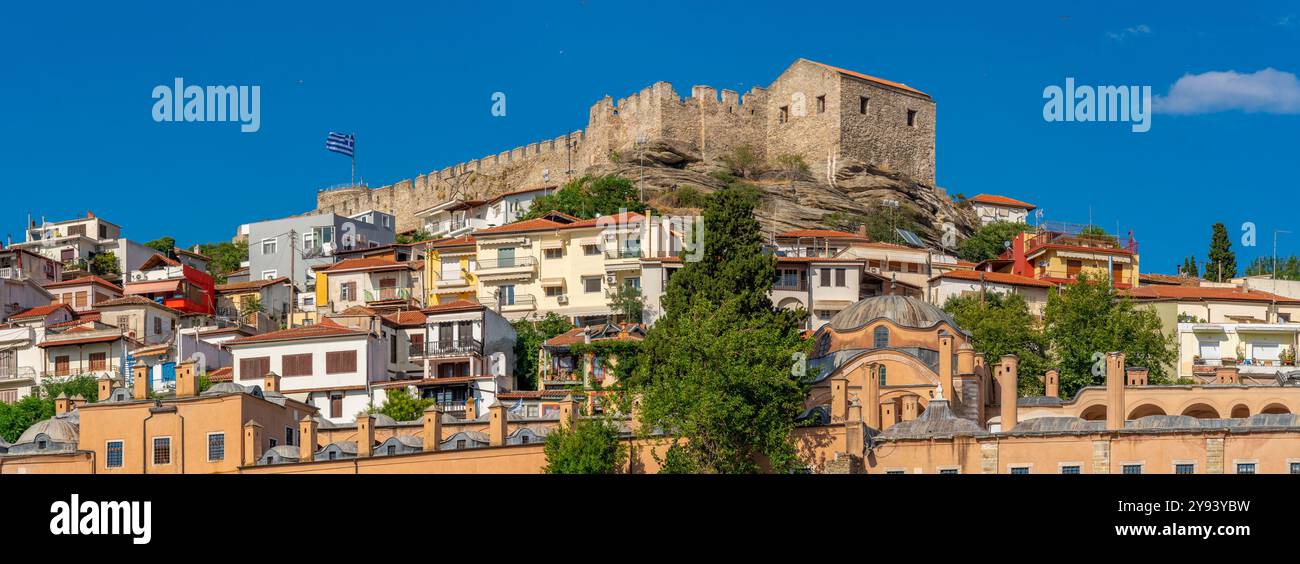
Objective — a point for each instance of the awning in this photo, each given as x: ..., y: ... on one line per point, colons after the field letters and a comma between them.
x: 505, y: 241
x: 589, y: 241
x: 517, y: 276
x: 462, y: 289
x: 153, y: 287
x: 553, y: 244
x: 552, y: 282
x: 1091, y: 256
x: 833, y: 305
x: 623, y: 267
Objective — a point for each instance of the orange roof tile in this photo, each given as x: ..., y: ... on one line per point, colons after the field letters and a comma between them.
x: 223, y: 374
x: 325, y: 328
x: 407, y: 318
x: 1205, y: 293
x: 453, y: 306
x: 870, y: 78
x: 994, y: 277
x: 453, y: 242
x: 40, y: 311
x: 135, y: 300
x: 1002, y: 201
x: 85, y: 280
x: 369, y: 263
x: 538, y: 224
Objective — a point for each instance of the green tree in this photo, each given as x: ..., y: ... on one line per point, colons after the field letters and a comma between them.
x: 716, y: 370
x: 164, y: 245
x: 1189, y: 267
x: 529, y: 336
x: 1087, y: 319
x: 249, y: 305
x: 105, y: 264
x: 226, y: 257
x: 416, y: 236
x: 1001, y: 324
x: 990, y: 240
x: 16, y: 417
x: 626, y: 301
x: 591, y: 446
x: 1222, y: 263
x: 588, y: 197
x: 1288, y: 268
x: 744, y: 161
x: 401, y: 406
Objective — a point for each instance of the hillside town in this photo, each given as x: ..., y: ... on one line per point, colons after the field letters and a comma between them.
x: 457, y: 336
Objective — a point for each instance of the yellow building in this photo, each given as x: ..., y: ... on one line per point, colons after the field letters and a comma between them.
x: 449, y: 271
x: 1059, y: 253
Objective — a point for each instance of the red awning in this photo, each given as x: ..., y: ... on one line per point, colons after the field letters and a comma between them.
x: 153, y: 287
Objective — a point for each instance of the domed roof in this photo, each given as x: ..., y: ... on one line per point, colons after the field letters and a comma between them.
x: 903, y: 311
x: 222, y: 388
x: 59, y: 429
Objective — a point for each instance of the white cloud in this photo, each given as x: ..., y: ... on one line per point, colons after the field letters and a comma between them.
x: 1287, y: 20
x: 1267, y: 91
x: 1140, y: 29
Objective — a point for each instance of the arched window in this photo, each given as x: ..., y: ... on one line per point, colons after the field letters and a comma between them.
x: 883, y: 380
x: 881, y: 337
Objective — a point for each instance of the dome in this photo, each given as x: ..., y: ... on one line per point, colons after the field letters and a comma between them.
x: 903, y: 311
x: 58, y: 429
x: 222, y: 388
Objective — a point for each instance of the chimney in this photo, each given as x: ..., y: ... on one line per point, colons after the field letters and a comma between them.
x: 888, y: 415
x: 568, y: 412
x: 90, y: 215
x: 365, y: 435
x: 78, y: 401
x: 1052, y: 383
x: 965, y: 360
x: 854, y: 434
x: 1008, y: 373
x: 872, y: 403
x: 140, y: 382
x: 62, y: 404
x: 497, y: 424
x: 946, y: 372
x: 839, y: 399
x: 910, y: 405
x: 1226, y: 375
x: 1115, y: 390
x: 252, y: 442
x: 1136, y: 376
x: 271, y: 383
x: 105, y: 388
x: 432, y: 428
x: 306, y: 438
x: 187, y: 385
x: 471, y: 408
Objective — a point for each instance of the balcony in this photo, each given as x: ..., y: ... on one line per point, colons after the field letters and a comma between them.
x: 1077, y: 235
x: 520, y: 302
x: 1124, y: 280
x: 503, y: 266
x: 387, y: 294
x: 456, y: 347
x: 17, y: 373
x: 562, y: 376
x: 452, y: 406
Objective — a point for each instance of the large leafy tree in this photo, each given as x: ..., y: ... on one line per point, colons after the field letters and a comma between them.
x: 1001, y: 324
x: 164, y: 245
x: 1288, y: 268
x: 226, y: 257
x: 588, y: 197
x: 1087, y: 319
x: 990, y: 240
x: 105, y: 264
x: 715, y: 371
x: 591, y: 446
x: 529, y: 336
x: 18, y: 416
x: 402, y: 406
x: 1222, y: 263
x: 626, y: 302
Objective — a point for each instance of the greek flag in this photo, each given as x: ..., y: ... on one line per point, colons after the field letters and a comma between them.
x: 343, y: 143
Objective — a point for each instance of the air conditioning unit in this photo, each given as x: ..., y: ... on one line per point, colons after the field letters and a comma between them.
x: 137, y: 276
x: 873, y: 269
x: 611, y: 279
x: 562, y: 298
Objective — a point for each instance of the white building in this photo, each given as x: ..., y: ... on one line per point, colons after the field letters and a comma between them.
x: 461, y: 217
x: 990, y: 208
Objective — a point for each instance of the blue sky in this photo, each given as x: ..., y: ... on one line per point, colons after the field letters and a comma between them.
x: 416, y: 82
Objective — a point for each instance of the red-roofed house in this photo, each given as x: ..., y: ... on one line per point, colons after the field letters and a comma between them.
x: 459, y: 217
x: 176, y: 285
x: 992, y: 208
x: 85, y: 292
x: 955, y: 283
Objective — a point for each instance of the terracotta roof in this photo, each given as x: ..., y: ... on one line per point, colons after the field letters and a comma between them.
x: 1168, y: 279
x: 498, y: 197
x: 1002, y: 201
x: 223, y: 374
x: 570, y: 337
x: 407, y: 318
x: 251, y: 285
x: 134, y: 300
x: 457, y: 305
x: 199, y: 256
x: 370, y: 263
x: 828, y: 233
x: 157, y: 258
x: 82, y: 319
x: 85, y: 341
x: 85, y: 280
x: 543, y: 224
x: 1205, y: 293
x: 39, y: 311
x: 616, y: 219
x: 870, y: 78
x: 325, y: 328
x: 994, y: 278
x: 453, y: 242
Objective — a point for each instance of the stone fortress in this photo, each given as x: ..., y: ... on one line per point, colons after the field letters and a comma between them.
x: 835, y: 119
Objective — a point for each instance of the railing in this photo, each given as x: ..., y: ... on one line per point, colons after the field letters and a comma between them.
x: 384, y: 294
x: 453, y: 347
x: 562, y: 375
x: 1061, y: 274
x: 12, y: 273
x: 111, y: 367
x: 520, y: 300
x: 12, y: 372
x: 454, y: 406
x: 515, y: 262
x: 1075, y: 236
x: 623, y: 253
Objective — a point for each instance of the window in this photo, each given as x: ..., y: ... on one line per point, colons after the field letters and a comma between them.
x: 883, y: 381
x: 340, y: 362
x: 911, y: 118
x: 1071, y: 469
x: 784, y: 115
x: 347, y: 291
x: 392, y: 449
x: 821, y: 104
x: 826, y: 277
x: 1295, y: 467
x: 554, y: 291
x: 633, y: 282
x: 881, y: 337
x: 270, y: 274
x: 157, y: 326
x: 948, y: 471
x: 114, y: 455
x: 863, y: 101
x: 590, y: 250
x: 554, y: 253
x: 254, y: 368
x: 1184, y: 468
x: 288, y: 436
x: 524, y: 439
x: 162, y: 450
x: 788, y: 278
x: 1132, y: 469
x: 269, y: 246
x: 296, y: 365
x: 591, y: 284
x: 505, y: 257
x: 98, y: 361
x: 1019, y: 469
x: 273, y: 443
x: 336, y: 405
x: 839, y: 278
x: 506, y: 294
x: 80, y: 300
x: 216, y: 447
x: 1246, y: 468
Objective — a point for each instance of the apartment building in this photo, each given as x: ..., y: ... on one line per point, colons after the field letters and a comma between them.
x: 186, y: 288
x: 1059, y: 252
x: 460, y: 217
x: 84, y: 293
x: 263, y: 304
x: 293, y: 246
x: 74, y: 242
x: 465, y: 351
x: 372, y: 282
x: 21, y: 294
x: 140, y: 318
x: 328, y: 366
x: 85, y: 350
x: 956, y: 283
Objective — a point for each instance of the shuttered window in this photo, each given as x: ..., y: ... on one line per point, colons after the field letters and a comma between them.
x: 296, y: 364
x: 341, y: 362
x: 254, y: 368
x: 98, y: 361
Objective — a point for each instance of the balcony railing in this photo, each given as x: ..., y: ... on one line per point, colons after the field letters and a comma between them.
x: 13, y: 372
x: 1068, y: 274
x: 512, y: 262
x: 449, y: 347
x: 519, y: 302
x: 623, y: 253
x: 562, y: 375
x: 385, y: 294
x: 452, y: 406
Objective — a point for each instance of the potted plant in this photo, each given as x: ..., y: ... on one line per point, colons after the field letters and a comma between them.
x: 1288, y: 355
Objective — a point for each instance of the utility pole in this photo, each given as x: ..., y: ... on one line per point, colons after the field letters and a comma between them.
x: 293, y: 275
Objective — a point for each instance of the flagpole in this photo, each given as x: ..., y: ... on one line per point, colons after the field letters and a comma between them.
x: 354, y: 159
